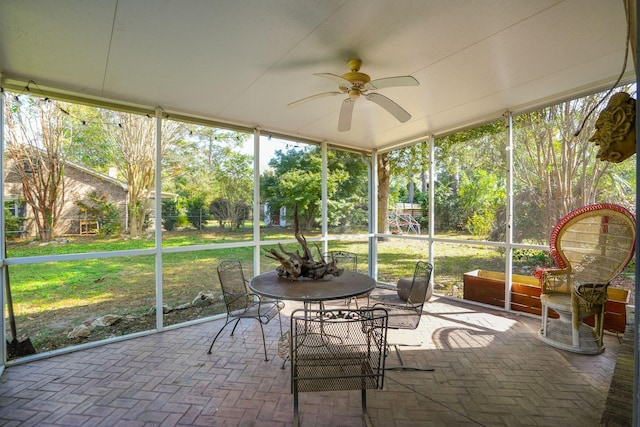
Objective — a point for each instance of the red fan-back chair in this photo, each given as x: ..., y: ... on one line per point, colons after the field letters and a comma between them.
x: 590, y: 246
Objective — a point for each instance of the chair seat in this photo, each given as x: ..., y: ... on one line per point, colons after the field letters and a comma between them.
x: 562, y: 303
x: 558, y: 302
x: 339, y: 374
x: 265, y: 310
x: 385, y: 296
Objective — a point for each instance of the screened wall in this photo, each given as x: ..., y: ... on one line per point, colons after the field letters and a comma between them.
x: 147, y: 204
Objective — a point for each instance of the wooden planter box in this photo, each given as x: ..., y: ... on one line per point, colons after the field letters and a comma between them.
x: 488, y: 287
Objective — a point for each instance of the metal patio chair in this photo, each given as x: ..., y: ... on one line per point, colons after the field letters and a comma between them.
x: 590, y: 246
x: 243, y: 304
x: 348, y: 261
x: 337, y: 349
x: 404, y: 305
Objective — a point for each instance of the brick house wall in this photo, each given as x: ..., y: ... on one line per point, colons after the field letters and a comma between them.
x: 79, y: 182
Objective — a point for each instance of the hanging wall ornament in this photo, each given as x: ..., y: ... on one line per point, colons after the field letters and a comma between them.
x: 616, y: 129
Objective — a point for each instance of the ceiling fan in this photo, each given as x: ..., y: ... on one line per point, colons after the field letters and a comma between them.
x: 355, y: 83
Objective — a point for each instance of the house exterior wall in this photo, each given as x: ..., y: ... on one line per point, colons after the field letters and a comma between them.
x: 78, y: 184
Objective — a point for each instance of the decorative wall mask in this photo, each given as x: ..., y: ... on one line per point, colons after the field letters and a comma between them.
x: 616, y: 129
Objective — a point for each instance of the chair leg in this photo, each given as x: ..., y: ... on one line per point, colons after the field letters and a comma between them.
x: 264, y: 343
x: 575, y: 329
x: 545, y: 319
x: 235, y: 326
x: 365, y: 414
x: 599, y: 324
x: 218, y: 334
x: 296, y: 418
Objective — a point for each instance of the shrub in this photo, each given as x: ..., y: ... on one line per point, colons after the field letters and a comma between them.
x: 169, y: 214
x: 97, y: 207
x: 11, y: 223
x: 196, y: 212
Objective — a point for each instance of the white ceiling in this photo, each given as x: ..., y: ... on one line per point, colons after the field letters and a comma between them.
x: 243, y: 61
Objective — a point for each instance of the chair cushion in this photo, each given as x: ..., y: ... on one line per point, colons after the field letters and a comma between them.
x: 404, y: 287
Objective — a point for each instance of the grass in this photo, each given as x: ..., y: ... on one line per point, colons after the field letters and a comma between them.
x: 52, y: 298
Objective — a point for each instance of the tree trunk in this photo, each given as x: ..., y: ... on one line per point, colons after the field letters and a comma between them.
x: 384, y: 175
x: 411, y: 192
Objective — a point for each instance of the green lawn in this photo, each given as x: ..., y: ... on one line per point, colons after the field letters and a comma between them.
x: 50, y: 299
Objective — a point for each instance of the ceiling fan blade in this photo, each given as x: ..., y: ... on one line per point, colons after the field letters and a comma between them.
x: 312, y: 97
x: 346, y: 111
x: 392, y: 82
x: 397, y: 111
x: 338, y: 79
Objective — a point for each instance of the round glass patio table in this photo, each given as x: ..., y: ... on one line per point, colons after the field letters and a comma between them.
x: 347, y: 285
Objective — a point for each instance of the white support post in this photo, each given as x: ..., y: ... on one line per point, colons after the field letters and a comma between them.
x: 432, y: 195
x: 373, y: 215
x: 158, y: 219
x: 508, y: 265
x: 256, y: 201
x: 325, y: 196
x: 3, y: 335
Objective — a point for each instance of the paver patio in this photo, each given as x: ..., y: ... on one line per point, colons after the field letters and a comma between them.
x: 490, y: 370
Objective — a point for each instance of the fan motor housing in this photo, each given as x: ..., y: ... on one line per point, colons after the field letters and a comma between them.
x: 355, y: 76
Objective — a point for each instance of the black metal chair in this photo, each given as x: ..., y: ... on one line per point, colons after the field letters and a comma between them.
x: 337, y: 350
x: 348, y: 261
x: 243, y: 304
x: 404, y: 313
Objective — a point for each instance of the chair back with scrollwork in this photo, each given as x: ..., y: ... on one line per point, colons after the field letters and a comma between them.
x: 334, y: 350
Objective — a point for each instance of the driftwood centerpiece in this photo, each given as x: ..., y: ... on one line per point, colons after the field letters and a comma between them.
x: 295, y: 266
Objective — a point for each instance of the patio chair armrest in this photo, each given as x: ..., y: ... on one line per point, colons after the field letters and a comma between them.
x: 590, y: 294
x: 555, y: 280
x: 396, y: 306
x: 268, y: 307
x: 254, y: 296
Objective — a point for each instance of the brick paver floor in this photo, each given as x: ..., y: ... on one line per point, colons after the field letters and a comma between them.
x: 490, y: 370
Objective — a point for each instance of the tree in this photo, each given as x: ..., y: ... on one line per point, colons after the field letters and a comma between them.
x: 557, y: 171
x: 295, y: 178
x: 347, y: 205
x: 384, y: 180
x: 132, y: 138
x: 206, y: 166
x: 234, y: 184
x: 38, y: 135
x: 399, y: 168
x: 482, y: 196
x: 90, y: 145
